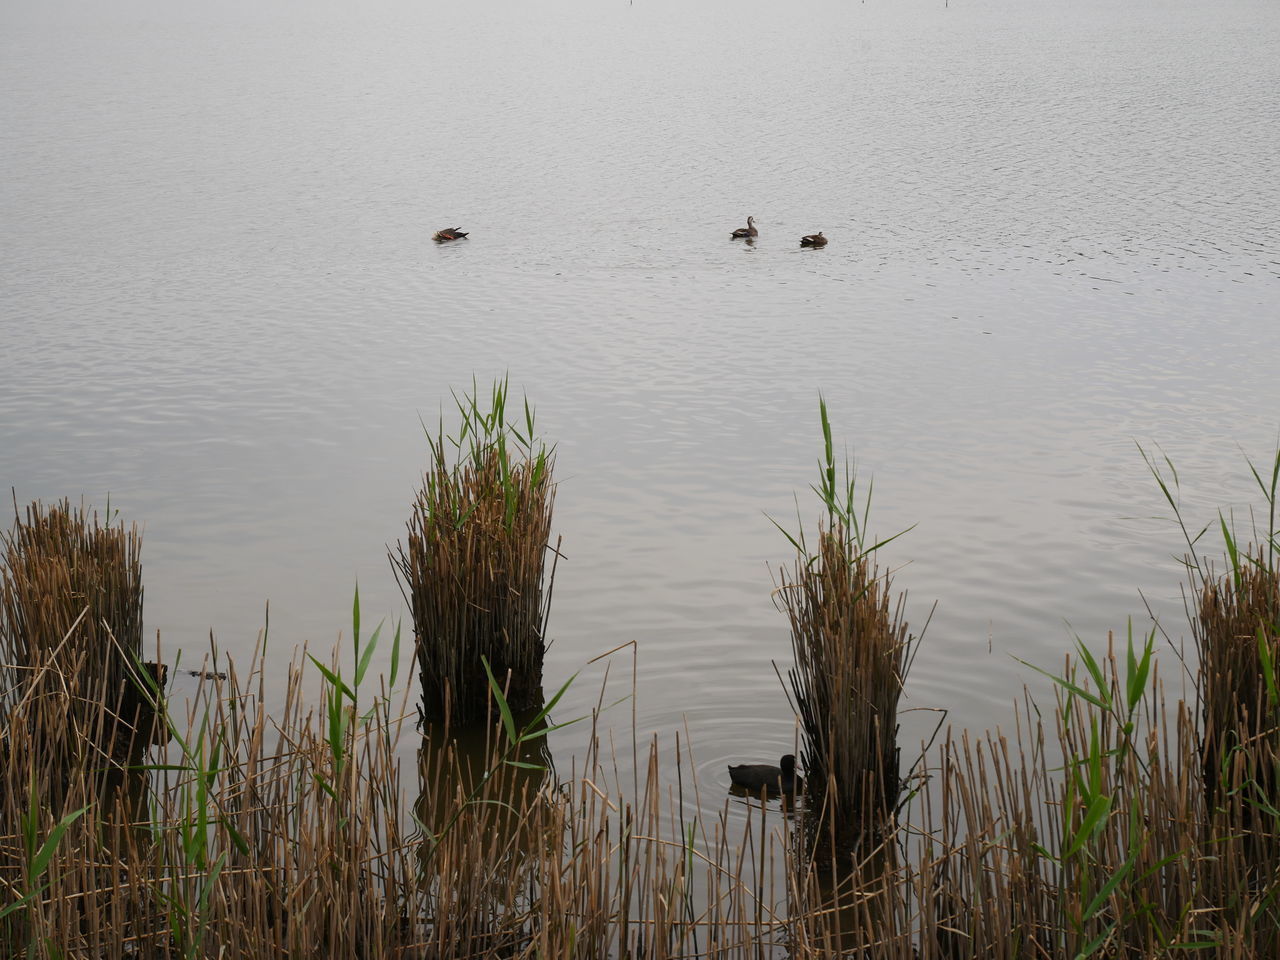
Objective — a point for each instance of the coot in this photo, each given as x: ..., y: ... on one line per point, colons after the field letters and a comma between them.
x: 765, y: 776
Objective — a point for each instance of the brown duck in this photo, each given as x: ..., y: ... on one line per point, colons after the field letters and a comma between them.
x: 447, y: 234
x: 748, y: 231
x: 814, y: 240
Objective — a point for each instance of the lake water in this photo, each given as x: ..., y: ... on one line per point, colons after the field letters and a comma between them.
x: 1053, y: 232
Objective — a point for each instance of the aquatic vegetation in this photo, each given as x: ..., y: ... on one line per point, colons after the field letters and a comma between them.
x: 71, y: 638
x: 1235, y: 622
x: 473, y: 567
x: 1115, y: 823
x: 852, y: 653
x: 71, y: 588
x: 304, y: 832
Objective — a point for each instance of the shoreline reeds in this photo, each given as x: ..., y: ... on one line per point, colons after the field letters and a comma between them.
x: 330, y: 829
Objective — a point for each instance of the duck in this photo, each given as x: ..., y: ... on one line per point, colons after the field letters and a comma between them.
x: 765, y: 776
x: 447, y: 234
x: 814, y: 240
x: 748, y: 231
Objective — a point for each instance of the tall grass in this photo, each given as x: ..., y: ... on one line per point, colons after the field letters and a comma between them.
x: 71, y: 641
x: 1084, y: 832
x: 70, y: 591
x: 1237, y: 634
x: 1093, y: 830
x: 474, y: 563
x: 313, y: 832
x: 1235, y: 622
x: 1236, y: 627
x: 852, y: 649
x: 328, y: 828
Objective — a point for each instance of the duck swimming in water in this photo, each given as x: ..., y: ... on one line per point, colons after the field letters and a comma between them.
x: 814, y: 240
x: 447, y: 234
x: 765, y: 776
x: 748, y: 231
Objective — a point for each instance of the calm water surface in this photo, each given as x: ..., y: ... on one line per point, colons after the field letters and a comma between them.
x: 1052, y: 229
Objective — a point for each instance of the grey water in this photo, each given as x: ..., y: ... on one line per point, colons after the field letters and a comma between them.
x: 1053, y: 236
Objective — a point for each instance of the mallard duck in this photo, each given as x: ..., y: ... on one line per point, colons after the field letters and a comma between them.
x: 814, y: 240
x: 765, y: 776
x: 748, y: 231
x: 447, y: 234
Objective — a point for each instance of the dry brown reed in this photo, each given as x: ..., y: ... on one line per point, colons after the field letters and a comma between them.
x: 1237, y: 635
x: 333, y: 831
x: 1087, y: 830
x: 299, y: 835
x: 70, y: 589
x: 851, y: 650
x: 473, y: 567
x: 71, y: 638
x: 1087, y: 839
x: 1127, y: 826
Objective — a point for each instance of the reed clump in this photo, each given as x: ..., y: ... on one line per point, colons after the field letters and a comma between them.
x: 1237, y: 635
x: 474, y: 566
x: 852, y: 649
x: 329, y: 828
x: 1092, y: 830
x: 1236, y: 627
x: 70, y: 593
x: 77, y: 703
x: 1083, y: 832
x: 71, y: 638
x: 1235, y: 622
x: 303, y: 833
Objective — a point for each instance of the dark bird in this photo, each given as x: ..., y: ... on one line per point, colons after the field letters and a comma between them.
x: 748, y: 231
x: 814, y: 240
x: 765, y: 776
x: 447, y: 234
